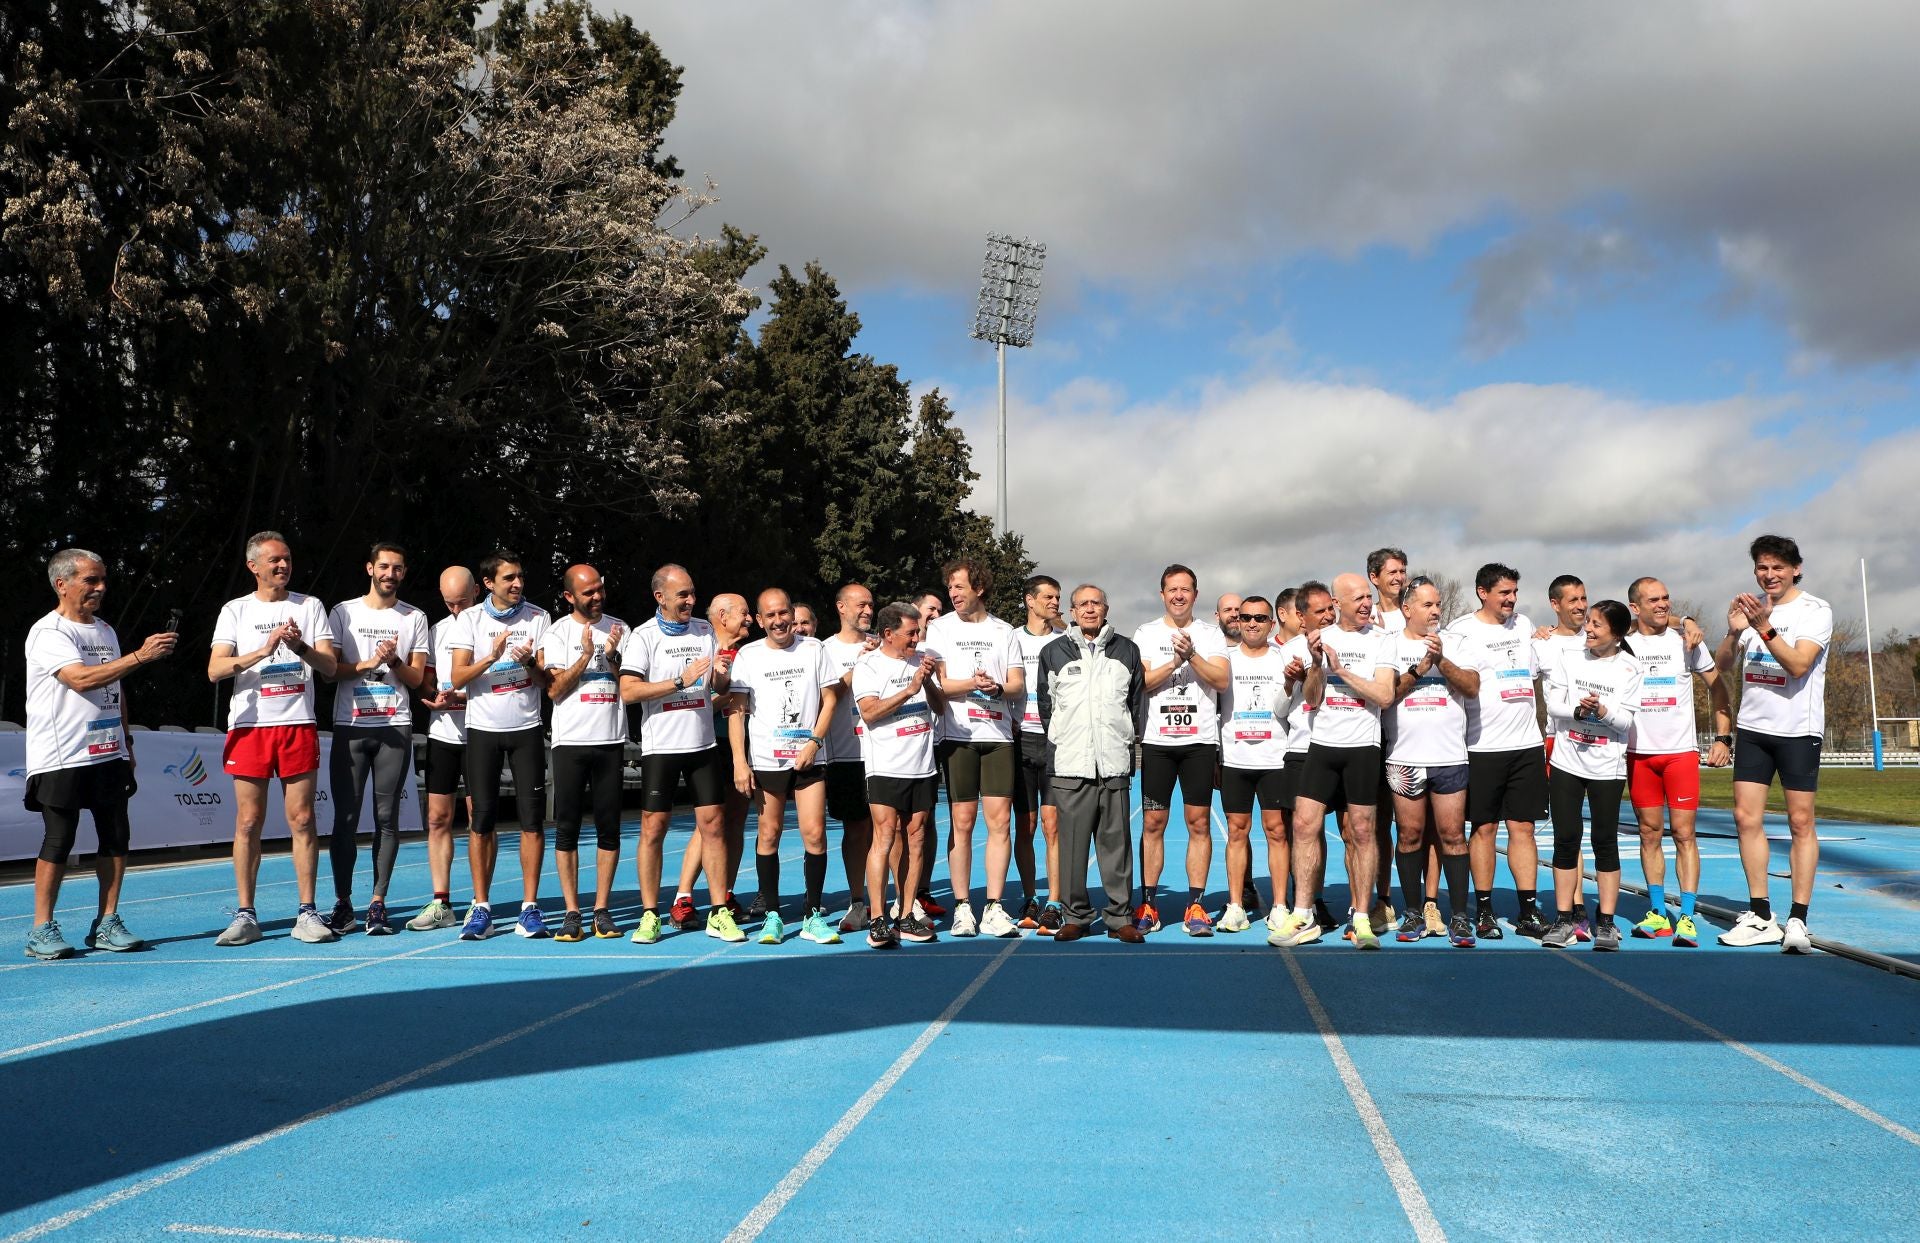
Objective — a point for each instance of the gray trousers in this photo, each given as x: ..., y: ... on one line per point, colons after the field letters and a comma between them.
x: 1093, y: 813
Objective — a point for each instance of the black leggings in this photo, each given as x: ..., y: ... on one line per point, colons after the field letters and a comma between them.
x: 386, y: 751
x: 574, y: 769
x: 63, y: 826
x: 522, y: 748
x: 1564, y: 795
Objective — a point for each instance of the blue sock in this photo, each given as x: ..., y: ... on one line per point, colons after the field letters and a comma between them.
x: 1657, y: 899
x: 305, y: 907
x: 1686, y: 903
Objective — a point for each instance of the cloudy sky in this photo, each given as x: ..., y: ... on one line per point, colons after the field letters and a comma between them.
x: 1591, y: 288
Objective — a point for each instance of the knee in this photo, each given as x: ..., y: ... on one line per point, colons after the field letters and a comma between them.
x: 300, y: 823
x: 608, y: 839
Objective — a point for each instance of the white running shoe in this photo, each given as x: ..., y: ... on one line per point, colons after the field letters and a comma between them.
x: 311, y: 927
x: 1276, y: 916
x: 995, y: 922
x: 1795, y: 939
x: 244, y: 930
x: 1234, y: 919
x: 963, y: 922
x: 1750, y: 929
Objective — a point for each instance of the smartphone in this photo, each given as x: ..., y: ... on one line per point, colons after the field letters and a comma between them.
x: 173, y: 621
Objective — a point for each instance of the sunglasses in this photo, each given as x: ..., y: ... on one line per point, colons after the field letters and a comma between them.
x: 1256, y: 617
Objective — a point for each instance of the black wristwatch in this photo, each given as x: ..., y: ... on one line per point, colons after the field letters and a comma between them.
x: 1724, y: 739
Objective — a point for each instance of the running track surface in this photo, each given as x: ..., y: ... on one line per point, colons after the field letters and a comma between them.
x: 419, y: 1088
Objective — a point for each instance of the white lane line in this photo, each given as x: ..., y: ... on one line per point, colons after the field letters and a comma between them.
x: 124, y: 1024
x: 1413, y: 1201
x: 763, y: 1213
x: 134, y: 1190
x: 241, y: 1232
x: 1746, y: 1050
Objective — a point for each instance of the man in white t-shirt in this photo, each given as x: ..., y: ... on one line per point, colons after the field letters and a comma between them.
x: 672, y: 666
x: 1186, y: 664
x: 1567, y: 597
x: 785, y: 690
x: 589, y: 746
x: 1308, y: 607
x: 1253, y: 753
x: 1226, y: 615
x: 497, y: 662
x: 273, y: 643
x: 732, y: 620
x: 846, y: 771
x: 1778, y: 639
x: 1387, y: 576
x: 1506, y: 757
x: 446, y: 749
x: 1387, y: 572
x: 897, y: 689
x: 383, y: 649
x: 1350, y: 679
x: 79, y: 750
x: 981, y: 676
x: 1032, y: 787
x: 1663, y: 755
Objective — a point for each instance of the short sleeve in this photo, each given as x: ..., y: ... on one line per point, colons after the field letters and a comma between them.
x: 1208, y: 641
x: 317, y: 622
x: 1819, y: 627
x: 824, y: 672
x: 633, y: 654
x: 554, y: 653
x: 460, y: 634
x: 1699, y: 659
x: 53, y: 649
x: 226, y: 628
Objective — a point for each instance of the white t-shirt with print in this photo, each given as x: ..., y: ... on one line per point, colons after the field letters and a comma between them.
x: 591, y: 715
x: 1430, y: 721
x: 1185, y: 711
x: 278, y: 690
x: 1596, y: 747
x: 1252, y: 733
x: 1026, y: 705
x: 900, y: 745
x: 1299, y: 713
x: 681, y: 722
x: 782, y: 687
x: 968, y: 647
x: 506, y: 696
x: 68, y: 728
x: 376, y: 697
x: 1501, y: 717
x: 1664, y: 724
x: 843, y: 733
x: 449, y: 725
x: 1771, y: 700
x: 1344, y: 719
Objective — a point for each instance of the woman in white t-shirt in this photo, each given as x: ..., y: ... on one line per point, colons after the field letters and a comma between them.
x: 1591, y: 698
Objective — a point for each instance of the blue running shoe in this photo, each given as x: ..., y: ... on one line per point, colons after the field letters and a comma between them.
x: 45, y: 942
x: 530, y: 923
x: 479, y: 925
x: 111, y: 934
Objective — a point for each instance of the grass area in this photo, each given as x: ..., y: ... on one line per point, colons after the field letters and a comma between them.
x: 1890, y: 797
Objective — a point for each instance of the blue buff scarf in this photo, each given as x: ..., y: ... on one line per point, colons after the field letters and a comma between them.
x: 673, y: 628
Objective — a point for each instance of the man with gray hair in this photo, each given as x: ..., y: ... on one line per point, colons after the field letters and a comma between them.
x: 1093, y: 690
x: 79, y: 753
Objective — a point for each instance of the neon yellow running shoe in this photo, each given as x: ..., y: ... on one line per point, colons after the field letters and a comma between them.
x: 649, y: 930
x: 1653, y: 925
x: 721, y: 927
x: 1685, y: 935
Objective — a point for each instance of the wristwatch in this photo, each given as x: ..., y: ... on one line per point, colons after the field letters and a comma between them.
x: 1725, y: 740
x: 679, y: 681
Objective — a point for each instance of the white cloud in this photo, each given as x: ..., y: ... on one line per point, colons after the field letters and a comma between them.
x: 1150, y: 145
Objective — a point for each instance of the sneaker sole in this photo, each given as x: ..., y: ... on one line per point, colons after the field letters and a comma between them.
x: 1466, y: 944
x: 1606, y: 949
x: 384, y: 930
x: 228, y: 942
x: 56, y: 956
x: 1795, y: 947
x: 607, y: 936
x: 107, y: 947
x: 1199, y: 932
x: 1371, y: 943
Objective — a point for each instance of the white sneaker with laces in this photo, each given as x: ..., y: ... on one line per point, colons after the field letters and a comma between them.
x: 1796, y: 940
x: 1276, y: 916
x: 1750, y: 929
x: 963, y: 921
x: 995, y: 922
x: 1233, y: 919
x: 312, y: 928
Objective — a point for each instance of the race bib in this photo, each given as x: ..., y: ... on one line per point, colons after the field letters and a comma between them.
x: 375, y: 701
x: 1764, y: 670
x: 597, y: 688
x: 787, y: 743
x: 506, y: 676
x: 1586, y: 739
x: 103, y: 736
x: 1177, y: 720
x: 1514, y: 684
x: 284, y: 679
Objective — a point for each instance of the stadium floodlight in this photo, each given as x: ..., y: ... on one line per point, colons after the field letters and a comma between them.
x: 1009, y: 301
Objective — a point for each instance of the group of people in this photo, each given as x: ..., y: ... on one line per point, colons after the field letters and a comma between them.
x: 1422, y: 735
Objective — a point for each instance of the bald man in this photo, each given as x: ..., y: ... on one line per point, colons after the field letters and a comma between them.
x: 446, y: 749
x: 732, y: 622
x: 589, y: 743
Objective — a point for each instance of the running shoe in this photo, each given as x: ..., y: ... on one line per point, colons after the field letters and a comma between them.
x: 1234, y: 919
x: 855, y: 919
x: 1561, y: 935
x: 933, y: 909
x: 1460, y: 931
x: 1606, y: 935
x: 109, y: 933
x: 1795, y: 939
x: 531, y: 923
x: 603, y: 926
x: 916, y: 928
x: 881, y: 936
x: 479, y: 925
x: 647, y: 931
x: 995, y: 922
x: 1382, y: 915
x: 435, y: 914
x: 1582, y: 929
x: 1486, y: 926
x: 1652, y: 926
x: 816, y: 929
x: 244, y: 930
x: 1364, y: 937
x: 341, y: 919
x: 1146, y: 917
x: 1413, y: 926
x: 1531, y: 923
x: 309, y: 927
x: 773, y: 929
x: 1685, y: 934
x: 757, y: 909
x: 1197, y: 923
x: 683, y: 915
x: 964, y: 924
x: 1436, y: 926
x: 1276, y: 917
x: 1052, y: 916
x: 1296, y: 930
x: 45, y: 942
x: 1030, y: 914
x: 1750, y: 929
x: 570, y: 928
x: 377, y: 923
x: 720, y: 926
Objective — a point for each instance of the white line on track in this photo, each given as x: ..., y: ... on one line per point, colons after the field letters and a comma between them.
x: 763, y: 1213
x: 134, y: 1190
x: 1413, y: 1201
x: 242, y: 1232
x: 124, y: 1024
x: 1746, y: 1050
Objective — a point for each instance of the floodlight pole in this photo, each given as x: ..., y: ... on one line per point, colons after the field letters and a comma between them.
x: 1000, y: 511
x: 1009, y: 297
